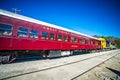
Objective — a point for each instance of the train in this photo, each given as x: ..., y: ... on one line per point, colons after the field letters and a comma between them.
x: 106, y: 44
x: 20, y: 34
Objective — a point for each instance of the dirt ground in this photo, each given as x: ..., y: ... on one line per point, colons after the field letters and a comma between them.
x: 109, y: 70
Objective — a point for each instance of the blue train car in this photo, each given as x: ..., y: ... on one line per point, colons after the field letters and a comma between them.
x: 107, y: 44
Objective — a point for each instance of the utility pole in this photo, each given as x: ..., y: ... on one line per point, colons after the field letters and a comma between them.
x: 16, y: 10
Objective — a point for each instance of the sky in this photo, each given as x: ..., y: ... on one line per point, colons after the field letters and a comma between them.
x: 91, y: 17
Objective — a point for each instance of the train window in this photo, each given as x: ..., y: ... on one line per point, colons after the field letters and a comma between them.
x: 44, y: 35
x: 5, y: 29
x: 72, y: 39
x: 33, y: 34
x: 96, y: 43
x: 23, y: 32
x: 81, y: 41
x: 65, y: 38
x: 52, y: 36
x: 59, y: 37
x: 87, y: 41
x: 75, y: 40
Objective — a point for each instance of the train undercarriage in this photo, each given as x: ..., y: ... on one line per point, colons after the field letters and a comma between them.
x: 7, y: 57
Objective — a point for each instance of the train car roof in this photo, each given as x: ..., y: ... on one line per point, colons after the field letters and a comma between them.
x: 21, y: 17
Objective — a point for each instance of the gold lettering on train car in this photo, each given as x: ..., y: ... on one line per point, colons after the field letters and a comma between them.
x: 47, y: 28
x: 55, y: 29
x: 44, y: 27
x: 59, y: 31
x: 75, y: 46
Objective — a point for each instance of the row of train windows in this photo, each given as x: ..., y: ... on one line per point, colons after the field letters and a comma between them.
x: 23, y: 32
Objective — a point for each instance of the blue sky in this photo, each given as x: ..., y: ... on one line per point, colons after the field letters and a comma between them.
x: 91, y: 17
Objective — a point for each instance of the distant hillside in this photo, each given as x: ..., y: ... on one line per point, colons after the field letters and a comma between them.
x: 113, y: 40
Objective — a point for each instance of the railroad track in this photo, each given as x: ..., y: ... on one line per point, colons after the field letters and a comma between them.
x: 66, y: 64
x: 91, y: 68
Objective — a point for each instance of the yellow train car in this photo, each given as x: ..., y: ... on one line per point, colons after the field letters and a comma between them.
x: 106, y: 44
x: 103, y: 43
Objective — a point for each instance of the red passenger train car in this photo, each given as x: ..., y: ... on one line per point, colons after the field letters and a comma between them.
x: 20, y: 33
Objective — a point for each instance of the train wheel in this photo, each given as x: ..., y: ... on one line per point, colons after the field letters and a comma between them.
x: 13, y: 56
x: 8, y: 58
x: 4, y: 59
x: 45, y: 54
